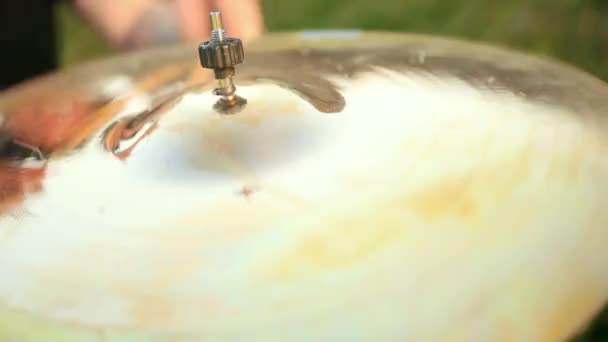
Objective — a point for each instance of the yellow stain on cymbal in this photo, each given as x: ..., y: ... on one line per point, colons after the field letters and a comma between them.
x: 344, y: 243
x: 451, y: 197
x: 466, y: 202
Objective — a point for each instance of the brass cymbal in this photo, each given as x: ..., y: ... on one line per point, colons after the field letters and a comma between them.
x: 377, y: 186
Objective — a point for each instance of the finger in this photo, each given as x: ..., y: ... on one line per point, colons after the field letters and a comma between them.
x: 111, y: 18
x: 242, y: 18
x: 194, y: 19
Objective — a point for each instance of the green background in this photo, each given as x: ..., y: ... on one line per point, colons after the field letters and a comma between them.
x: 575, y: 31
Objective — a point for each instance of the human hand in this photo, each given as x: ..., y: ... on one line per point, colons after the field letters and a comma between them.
x: 141, y: 23
x: 241, y: 18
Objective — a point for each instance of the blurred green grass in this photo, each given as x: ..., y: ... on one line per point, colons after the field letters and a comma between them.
x: 574, y: 31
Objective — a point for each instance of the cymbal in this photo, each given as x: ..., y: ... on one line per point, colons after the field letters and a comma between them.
x: 377, y: 186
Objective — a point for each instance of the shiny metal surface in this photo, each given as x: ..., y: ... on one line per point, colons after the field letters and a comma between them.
x: 376, y: 187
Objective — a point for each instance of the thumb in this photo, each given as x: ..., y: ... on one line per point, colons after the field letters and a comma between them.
x: 241, y: 18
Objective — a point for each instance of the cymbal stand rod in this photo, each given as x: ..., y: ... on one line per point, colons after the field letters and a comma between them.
x: 222, y: 54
